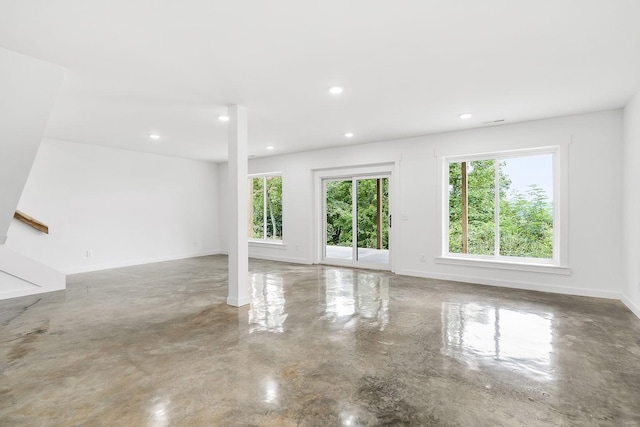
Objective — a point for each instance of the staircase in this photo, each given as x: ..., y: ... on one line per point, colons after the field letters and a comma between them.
x: 21, y: 276
x: 29, y: 88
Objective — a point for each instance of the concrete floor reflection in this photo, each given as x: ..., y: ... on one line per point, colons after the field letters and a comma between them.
x: 159, y: 411
x: 478, y: 335
x: 267, y: 308
x: 270, y: 387
x: 354, y: 292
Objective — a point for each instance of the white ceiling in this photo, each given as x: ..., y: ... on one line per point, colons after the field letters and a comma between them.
x: 408, y: 67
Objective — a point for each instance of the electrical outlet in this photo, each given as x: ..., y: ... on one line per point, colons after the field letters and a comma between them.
x: 297, y: 248
x: 422, y: 258
x: 89, y: 253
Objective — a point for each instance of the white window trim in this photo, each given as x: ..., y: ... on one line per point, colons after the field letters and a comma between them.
x: 264, y: 241
x: 502, y: 264
x: 269, y: 243
x: 556, y: 265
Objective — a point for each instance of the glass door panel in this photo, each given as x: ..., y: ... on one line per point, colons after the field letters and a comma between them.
x: 339, y: 219
x: 356, y: 221
x: 372, y: 224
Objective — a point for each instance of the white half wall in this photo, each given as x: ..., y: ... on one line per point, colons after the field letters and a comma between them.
x: 28, y: 89
x: 20, y: 276
x: 631, y: 187
x: 108, y: 208
x: 594, y: 145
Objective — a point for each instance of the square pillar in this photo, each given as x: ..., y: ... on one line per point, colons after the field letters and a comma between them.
x: 238, y: 209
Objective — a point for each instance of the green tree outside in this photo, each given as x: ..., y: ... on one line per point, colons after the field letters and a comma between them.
x: 339, y: 201
x: 273, y: 213
x: 526, y: 220
x: 339, y: 213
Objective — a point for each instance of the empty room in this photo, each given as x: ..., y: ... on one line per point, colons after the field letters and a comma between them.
x: 338, y: 213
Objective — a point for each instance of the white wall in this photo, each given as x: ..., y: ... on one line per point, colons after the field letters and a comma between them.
x: 594, y: 144
x: 28, y: 89
x: 125, y: 207
x: 631, y: 167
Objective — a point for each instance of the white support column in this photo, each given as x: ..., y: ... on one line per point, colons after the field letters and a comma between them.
x: 238, y: 209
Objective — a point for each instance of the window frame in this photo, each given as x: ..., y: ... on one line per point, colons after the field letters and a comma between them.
x: 264, y: 240
x: 504, y: 261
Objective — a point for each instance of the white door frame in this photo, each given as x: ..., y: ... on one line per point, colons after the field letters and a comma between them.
x: 383, y: 170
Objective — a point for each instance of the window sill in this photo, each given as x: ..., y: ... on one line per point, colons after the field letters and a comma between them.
x: 505, y: 265
x: 276, y: 244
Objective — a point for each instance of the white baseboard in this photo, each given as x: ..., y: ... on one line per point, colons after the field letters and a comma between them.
x: 282, y: 259
x: 513, y: 284
x: 238, y: 302
x: 34, y: 290
x: 635, y: 309
x: 275, y: 258
x: 108, y: 266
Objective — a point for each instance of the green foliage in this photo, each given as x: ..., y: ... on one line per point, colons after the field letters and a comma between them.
x: 274, y: 207
x: 526, y: 220
x: 368, y: 213
x: 257, y: 213
x: 339, y: 216
x: 526, y: 225
x: 339, y: 213
x: 273, y: 213
x: 480, y: 195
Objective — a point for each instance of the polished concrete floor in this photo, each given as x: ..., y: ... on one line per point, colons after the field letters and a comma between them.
x: 156, y: 345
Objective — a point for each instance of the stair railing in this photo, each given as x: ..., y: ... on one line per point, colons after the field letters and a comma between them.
x: 31, y: 222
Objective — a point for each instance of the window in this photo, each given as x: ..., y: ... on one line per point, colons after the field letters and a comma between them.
x: 502, y: 207
x: 265, y: 207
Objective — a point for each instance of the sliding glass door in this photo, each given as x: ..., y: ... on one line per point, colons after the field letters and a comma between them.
x: 356, y: 221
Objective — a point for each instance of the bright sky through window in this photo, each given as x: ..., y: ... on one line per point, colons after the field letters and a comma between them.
x: 524, y: 171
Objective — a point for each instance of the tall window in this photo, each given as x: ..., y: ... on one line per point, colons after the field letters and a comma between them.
x: 265, y: 207
x: 502, y: 206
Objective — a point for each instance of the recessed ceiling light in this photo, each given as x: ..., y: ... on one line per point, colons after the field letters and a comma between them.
x: 349, y: 134
x: 270, y: 147
x: 223, y: 118
x: 154, y: 136
x: 465, y: 116
x: 336, y: 90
